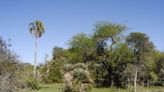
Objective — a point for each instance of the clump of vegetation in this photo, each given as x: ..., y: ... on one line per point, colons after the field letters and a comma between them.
x: 76, y: 78
x: 50, y: 73
x: 10, y: 70
x: 33, y: 84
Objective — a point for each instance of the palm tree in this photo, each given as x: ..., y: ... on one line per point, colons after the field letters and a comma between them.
x: 36, y: 28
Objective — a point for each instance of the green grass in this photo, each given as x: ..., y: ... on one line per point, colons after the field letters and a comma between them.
x: 48, y: 88
x: 58, y: 88
x: 107, y: 90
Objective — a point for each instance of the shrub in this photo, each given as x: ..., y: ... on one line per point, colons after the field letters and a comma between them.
x: 76, y: 78
x: 10, y: 69
x: 33, y: 84
x: 51, y: 72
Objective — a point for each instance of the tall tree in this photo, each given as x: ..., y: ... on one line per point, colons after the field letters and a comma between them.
x: 37, y: 29
x: 106, y: 36
x: 141, y: 47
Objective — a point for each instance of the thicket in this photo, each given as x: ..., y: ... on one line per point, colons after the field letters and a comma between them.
x: 14, y: 75
x: 11, y: 79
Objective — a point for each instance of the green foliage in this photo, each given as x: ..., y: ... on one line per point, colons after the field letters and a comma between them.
x: 11, y: 71
x: 76, y: 78
x: 111, y: 57
x: 139, y: 43
x: 159, y: 69
x: 50, y: 72
x: 106, y: 30
x: 81, y: 46
x: 154, y: 76
x: 53, y: 75
x: 36, y: 28
x: 33, y: 84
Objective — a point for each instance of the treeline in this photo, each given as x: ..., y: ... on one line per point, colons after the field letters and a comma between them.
x: 113, y: 58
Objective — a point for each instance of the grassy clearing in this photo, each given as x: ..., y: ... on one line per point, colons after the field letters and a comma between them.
x: 58, y: 88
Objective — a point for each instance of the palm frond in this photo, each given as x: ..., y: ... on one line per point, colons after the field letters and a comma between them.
x: 36, y: 28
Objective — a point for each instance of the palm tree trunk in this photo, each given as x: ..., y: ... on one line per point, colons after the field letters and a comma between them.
x: 135, y: 79
x: 35, y: 58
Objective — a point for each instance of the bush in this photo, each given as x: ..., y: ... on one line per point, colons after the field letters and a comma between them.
x: 53, y: 75
x: 33, y: 84
x: 11, y: 70
x: 76, y: 78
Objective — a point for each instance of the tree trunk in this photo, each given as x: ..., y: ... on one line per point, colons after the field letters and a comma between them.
x: 128, y: 83
x: 135, y: 79
x: 147, y: 84
x: 35, y: 58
